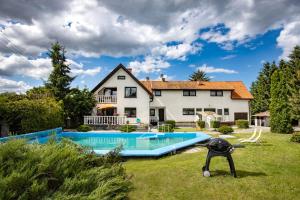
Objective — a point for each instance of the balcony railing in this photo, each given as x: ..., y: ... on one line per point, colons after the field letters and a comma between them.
x: 105, y: 120
x: 106, y: 99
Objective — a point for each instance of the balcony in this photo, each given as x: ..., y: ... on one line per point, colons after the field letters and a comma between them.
x: 106, y: 99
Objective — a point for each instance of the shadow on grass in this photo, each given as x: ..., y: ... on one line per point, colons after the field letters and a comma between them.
x: 240, y: 173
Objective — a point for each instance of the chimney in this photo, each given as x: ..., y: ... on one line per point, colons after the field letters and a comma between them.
x: 147, y: 78
x: 162, y: 77
x: 130, y: 70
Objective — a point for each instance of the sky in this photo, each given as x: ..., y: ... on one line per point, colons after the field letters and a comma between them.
x: 229, y: 39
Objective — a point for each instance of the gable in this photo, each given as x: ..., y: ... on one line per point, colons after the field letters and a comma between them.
x: 112, y: 73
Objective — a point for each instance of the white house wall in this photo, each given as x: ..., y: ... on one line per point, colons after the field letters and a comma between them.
x: 173, y: 101
x: 141, y: 103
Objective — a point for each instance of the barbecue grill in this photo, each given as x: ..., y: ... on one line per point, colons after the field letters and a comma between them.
x: 218, y: 147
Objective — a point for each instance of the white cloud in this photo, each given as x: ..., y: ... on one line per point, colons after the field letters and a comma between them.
x: 149, y: 65
x: 7, y: 85
x: 179, y: 51
x: 228, y: 57
x: 209, y: 69
x: 289, y: 37
x: 39, y: 68
x: 165, y: 76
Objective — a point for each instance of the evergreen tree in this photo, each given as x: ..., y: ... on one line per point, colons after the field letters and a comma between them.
x: 260, y: 89
x: 294, y: 64
x: 280, y: 109
x: 59, y: 80
x: 199, y: 75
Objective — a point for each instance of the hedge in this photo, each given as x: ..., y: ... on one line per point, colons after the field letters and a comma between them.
x: 172, y: 123
x: 242, y: 123
x: 295, y: 137
x: 215, y: 124
x: 127, y: 128
x: 201, y: 124
x: 225, y: 129
x: 84, y: 128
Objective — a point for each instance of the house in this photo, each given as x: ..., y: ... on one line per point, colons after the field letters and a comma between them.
x: 122, y: 98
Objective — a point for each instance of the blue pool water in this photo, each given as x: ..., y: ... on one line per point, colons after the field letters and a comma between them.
x: 133, y: 144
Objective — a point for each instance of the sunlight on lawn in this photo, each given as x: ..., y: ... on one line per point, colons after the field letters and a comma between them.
x: 269, y: 170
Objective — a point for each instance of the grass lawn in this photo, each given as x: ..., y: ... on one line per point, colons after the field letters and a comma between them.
x: 270, y: 170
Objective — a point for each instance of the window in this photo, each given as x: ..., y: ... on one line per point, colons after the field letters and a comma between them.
x: 130, y: 92
x: 157, y: 92
x: 130, y: 112
x: 241, y: 115
x: 188, y: 111
x: 152, y: 112
x: 189, y: 92
x: 198, y: 109
x: 219, y: 111
x: 226, y: 111
x: 121, y: 77
x: 216, y: 93
x: 209, y: 110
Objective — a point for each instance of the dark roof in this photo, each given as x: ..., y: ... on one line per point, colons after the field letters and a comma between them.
x: 128, y: 72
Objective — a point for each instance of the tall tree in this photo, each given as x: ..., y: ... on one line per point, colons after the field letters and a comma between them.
x: 59, y: 80
x: 280, y: 109
x: 199, y: 75
x: 294, y: 64
x: 260, y: 89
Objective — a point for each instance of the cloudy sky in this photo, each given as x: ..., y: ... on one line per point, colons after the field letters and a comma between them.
x: 228, y: 39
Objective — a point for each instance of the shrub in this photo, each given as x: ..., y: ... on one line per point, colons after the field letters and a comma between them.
x: 201, y: 124
x: 84, y: 128
x: 59, y: 171
x: 225, y: 129
x: 242, y: 123
x: 165, y: 128
x: 215, y: 124
x: 127, y: 128
x: 172, y: 123
x: 295, y: 137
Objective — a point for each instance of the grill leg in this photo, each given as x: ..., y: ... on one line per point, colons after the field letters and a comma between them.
x: 208, y: 158
x: 231, y: 165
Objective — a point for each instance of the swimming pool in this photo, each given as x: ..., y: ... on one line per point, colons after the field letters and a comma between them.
x: 133, y: 144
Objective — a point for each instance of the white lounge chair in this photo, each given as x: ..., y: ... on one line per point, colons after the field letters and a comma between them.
x: 250, y: 138
x: 253, y: 140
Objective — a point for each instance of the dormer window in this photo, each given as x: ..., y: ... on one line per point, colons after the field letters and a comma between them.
x: 216, y: 93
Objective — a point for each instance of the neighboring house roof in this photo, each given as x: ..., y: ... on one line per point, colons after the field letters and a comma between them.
x: 262, y: 114
x: 239, y: 90
x: 128, y: 72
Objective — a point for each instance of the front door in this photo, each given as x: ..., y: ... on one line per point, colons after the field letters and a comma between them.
x: 161, y: 114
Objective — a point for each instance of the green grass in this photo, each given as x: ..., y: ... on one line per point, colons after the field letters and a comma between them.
x: 270, y: 170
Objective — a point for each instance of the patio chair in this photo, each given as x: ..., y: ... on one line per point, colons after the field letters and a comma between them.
x: 254, y: 139
x: 250, y: 138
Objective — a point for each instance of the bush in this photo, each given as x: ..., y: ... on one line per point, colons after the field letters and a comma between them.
x: 215, y: 124
x: 127, y: 128
x: 225, y: 129
x: 242, y: 123
x: 84, y: 128
x: 201, y: 124
x: 165, y: 128
x: 295, y: 137
x: 172, y: 123
x: 59, y: 171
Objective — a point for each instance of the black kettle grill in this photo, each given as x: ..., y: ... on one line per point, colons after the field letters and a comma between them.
x: 218, y: 147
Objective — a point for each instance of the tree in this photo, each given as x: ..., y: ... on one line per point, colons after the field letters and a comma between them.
x: 59, y: 80
x: 260, y: 89
x: 280, y: 109
x: 294, y: 64
x: 199, y: 75
x: 78, y: 103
